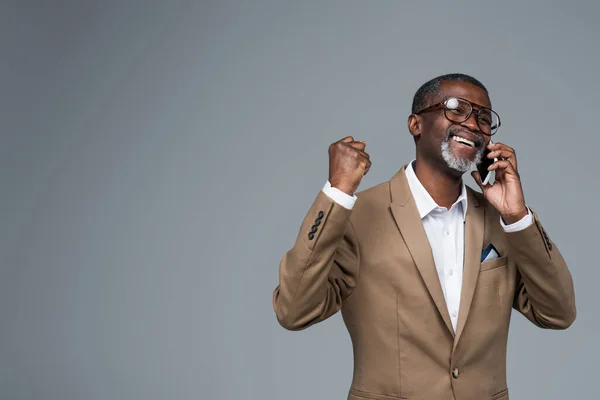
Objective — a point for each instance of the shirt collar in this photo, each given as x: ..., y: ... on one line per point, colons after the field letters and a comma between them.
x: 424, y: 201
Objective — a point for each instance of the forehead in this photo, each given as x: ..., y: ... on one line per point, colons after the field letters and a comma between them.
x: 465, y: 90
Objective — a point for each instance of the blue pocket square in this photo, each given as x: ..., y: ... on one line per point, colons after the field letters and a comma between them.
x: 489, y: 253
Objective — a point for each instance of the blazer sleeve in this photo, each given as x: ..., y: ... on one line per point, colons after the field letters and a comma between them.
x: 320, y: 270
x: 544, y: 293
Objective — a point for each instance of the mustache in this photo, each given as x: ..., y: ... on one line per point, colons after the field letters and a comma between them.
x: 455, y: 130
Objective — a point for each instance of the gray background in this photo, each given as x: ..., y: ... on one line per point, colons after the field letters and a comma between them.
x: 157, y: 158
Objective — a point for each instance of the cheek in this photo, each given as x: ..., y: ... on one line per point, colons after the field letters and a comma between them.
x: 442, y: 127
x: 436, y: 131
x: 433, y: 133
x: 431, y: 127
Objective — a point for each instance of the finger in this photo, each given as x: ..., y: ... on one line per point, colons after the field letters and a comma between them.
x: 501, y: 153
x: 503, y: 166
x: 477, y: 177
x: 360, y: 154
x: 506, y: 152
x: 347, y: 139
x: 500, y: 146
x: 364, y: 154
x: 368, y: 167
x: 359, y: 145
x: 504, y: 155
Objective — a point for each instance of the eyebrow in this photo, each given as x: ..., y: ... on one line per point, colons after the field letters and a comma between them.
x: 477, y: 104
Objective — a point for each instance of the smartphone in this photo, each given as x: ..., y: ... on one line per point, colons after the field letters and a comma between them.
x: 482, y: 167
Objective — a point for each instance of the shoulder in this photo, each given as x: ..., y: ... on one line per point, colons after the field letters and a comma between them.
x: 375, y: 196
x: 371, y: 206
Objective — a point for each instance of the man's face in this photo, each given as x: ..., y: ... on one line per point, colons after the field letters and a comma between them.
x: 443, y: 140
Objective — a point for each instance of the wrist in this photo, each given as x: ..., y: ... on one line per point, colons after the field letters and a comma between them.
x: 348, y: 189
x: 344, y: 188
x: 514, y: 217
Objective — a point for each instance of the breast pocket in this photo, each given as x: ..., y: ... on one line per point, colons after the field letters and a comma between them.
x: 494, y: 290
x: 502, y: 395
x: 360, y: 395
x: 494, y: 263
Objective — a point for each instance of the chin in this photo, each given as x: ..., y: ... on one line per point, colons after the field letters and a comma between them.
x: 457, y: 163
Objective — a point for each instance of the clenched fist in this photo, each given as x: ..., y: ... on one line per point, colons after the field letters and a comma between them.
x: 348, y: 163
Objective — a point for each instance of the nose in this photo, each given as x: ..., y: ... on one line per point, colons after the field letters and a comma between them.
x: 471, y: 123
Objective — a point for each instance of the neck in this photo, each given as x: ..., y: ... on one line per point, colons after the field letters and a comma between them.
x: 443, y: 186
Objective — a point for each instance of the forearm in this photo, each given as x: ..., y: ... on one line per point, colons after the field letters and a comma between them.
x: 320, y: 270
x: 545, y: 291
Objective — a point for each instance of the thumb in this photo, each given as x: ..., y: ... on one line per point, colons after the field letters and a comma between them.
x: 477, y: 177
x: 347, y: 139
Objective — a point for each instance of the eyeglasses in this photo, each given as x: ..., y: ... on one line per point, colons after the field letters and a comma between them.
x: 459, y: 110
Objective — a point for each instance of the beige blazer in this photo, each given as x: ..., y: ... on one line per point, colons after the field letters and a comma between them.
x: 374, y: 263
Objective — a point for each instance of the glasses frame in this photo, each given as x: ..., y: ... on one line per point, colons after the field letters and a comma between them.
x: 473, y: 106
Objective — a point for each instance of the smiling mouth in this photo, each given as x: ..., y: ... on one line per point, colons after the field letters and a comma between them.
x: 463, y: 141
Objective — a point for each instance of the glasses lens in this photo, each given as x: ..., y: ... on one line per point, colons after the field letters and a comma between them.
x: 457, y: 110
x: 488, y: 120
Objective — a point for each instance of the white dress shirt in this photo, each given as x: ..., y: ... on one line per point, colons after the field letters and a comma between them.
x: 445, y: 230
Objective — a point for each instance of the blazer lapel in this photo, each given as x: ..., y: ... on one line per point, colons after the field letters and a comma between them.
x: 474, y: 232
x: 406, y: 215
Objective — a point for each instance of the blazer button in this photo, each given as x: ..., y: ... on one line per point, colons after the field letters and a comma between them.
x: 311, y: 236
x: 313, y: 229
x: 317, y: 222
x: 455, y: 373
x: 321, y: 214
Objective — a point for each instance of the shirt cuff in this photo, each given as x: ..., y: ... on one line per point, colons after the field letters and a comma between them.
x: 519, y: 225
x: 343, y: 199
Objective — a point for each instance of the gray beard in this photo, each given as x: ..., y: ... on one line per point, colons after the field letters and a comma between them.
x: 460, y: 164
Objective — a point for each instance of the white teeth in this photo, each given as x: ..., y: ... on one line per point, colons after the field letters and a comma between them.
x: 463, y: 140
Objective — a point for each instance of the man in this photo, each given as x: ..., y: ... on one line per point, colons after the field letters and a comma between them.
x: 424, y: 269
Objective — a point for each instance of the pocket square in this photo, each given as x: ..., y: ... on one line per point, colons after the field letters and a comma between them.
x: 489, y: 253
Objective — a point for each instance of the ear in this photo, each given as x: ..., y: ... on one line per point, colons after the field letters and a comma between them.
x: 415, y: 125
